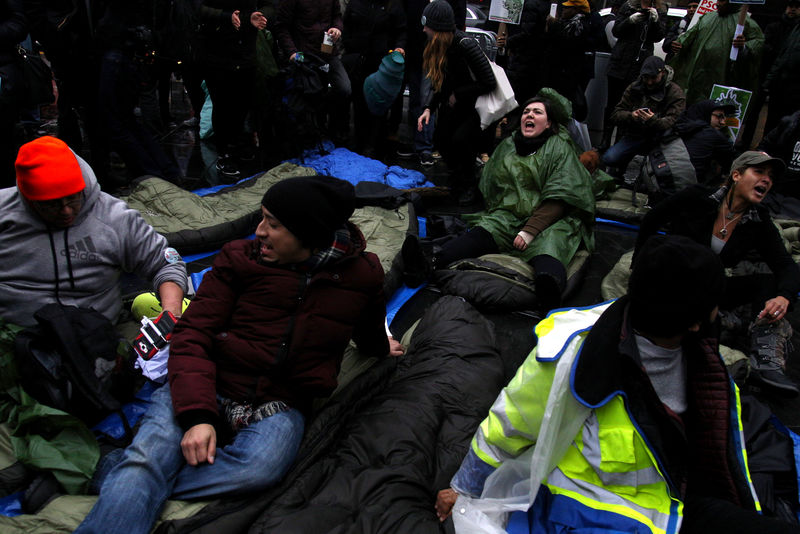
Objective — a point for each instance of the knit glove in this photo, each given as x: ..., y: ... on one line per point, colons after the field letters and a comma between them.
x: 637, y: 17
x: 653, y: 14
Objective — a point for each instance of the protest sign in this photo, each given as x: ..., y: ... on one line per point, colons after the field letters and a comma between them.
x: 705, y: 6
x: 509, y: 11
x: 738, y: 98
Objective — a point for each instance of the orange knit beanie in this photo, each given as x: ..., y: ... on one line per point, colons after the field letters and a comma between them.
x: 47, y: 169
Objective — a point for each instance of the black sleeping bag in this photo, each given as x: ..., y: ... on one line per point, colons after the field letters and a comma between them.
x: 397, y: 436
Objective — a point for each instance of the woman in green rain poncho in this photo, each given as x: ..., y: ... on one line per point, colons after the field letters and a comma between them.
x: 540, y: 205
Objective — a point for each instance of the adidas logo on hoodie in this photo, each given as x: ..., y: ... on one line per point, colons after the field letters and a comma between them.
x: 82, y: 249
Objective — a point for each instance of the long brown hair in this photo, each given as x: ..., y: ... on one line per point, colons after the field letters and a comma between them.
x: 434, y: 58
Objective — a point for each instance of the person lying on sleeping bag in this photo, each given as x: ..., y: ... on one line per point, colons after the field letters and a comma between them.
x: 263, y: 338
x: 63, y: 240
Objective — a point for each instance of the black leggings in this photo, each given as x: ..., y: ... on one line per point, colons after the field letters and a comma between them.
x: 550, y: 276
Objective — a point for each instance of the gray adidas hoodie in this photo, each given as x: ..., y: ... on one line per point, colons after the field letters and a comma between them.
x: 106, y: 239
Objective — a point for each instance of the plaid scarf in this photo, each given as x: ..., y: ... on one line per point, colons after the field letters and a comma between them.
x: 341, y: 244
x: 240, y: 415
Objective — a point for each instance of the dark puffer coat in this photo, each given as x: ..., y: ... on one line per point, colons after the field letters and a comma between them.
x: 258, y: 333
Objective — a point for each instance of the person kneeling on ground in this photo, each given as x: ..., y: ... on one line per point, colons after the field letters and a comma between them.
x: 634, y: 419
x: 62, y: 240
x: 263, y: 338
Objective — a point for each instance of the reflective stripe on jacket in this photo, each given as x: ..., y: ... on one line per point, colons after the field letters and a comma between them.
x: 607, y: 476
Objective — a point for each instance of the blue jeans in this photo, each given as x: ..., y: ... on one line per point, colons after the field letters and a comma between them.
x: 622, y: 152
x: 418, y: 88
x: 153, y: 468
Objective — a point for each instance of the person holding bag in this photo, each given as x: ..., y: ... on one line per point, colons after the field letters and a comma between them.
x: 459, y: 73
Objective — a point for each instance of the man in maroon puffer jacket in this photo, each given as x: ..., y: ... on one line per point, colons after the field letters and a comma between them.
x: 262, y: 339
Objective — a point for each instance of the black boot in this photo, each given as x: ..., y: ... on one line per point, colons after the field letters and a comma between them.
x: 769, y: 345
x: 605, y: 142
x: 417, y: 265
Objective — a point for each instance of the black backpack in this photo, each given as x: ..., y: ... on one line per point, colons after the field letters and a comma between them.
x: 70, y: 361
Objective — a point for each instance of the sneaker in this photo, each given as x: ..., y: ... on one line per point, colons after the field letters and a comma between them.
x: 405, y: 151
x: 769, y: 346
x: 426, y: 159
x: 436, y: 155
x: 227, y: 167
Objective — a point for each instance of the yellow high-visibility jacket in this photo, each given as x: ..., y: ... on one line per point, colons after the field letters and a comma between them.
x: 629, y: 464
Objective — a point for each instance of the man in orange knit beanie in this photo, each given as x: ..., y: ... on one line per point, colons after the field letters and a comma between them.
x: 63, y: 240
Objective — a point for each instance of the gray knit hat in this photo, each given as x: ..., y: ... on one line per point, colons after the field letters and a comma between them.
x: 438, y: 16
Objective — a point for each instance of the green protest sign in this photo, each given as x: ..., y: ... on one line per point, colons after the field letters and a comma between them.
x: 733, y: 96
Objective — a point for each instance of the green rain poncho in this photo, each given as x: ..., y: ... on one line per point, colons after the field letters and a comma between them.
x: 704, y: 59
x: 514, y: 186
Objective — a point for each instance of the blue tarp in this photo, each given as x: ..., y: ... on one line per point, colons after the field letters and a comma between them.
x: 354, y: 168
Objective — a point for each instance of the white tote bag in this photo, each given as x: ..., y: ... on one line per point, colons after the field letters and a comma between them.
x: 494, y: 106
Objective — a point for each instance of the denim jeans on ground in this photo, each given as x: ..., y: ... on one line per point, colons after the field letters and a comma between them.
x: 153, y: 468
x: 622, y: 152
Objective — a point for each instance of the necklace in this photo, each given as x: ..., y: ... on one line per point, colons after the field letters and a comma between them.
x: 729, y: 218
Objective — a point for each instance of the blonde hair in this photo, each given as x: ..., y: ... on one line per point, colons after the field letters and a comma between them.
x: 434, y: 58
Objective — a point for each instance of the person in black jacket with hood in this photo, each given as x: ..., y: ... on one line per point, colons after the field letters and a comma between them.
x: 701, y: 128
x: 459, y: 72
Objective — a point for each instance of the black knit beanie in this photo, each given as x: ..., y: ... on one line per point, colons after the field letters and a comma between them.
x: 675, y: 283
x: 439, y: 16
x: 312, y: 208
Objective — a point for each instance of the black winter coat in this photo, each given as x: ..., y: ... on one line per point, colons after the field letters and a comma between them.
x: 635, y: 42
x: 527, y: 50
x: 372, y: 28
x: 703, y: 142
x: 467, y: 74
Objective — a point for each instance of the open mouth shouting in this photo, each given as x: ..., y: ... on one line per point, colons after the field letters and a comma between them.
x: 534, y: 120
